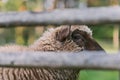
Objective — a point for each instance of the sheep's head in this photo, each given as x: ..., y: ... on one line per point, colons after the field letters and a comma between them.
x: 66, y: 38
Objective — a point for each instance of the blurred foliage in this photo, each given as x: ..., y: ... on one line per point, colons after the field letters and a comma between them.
x: 12, y: 5
x: 103, y: 31
x: 96, y: 3
x: 25, y: 36
x: 20, y: 35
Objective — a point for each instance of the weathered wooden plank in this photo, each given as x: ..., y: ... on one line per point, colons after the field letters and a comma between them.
x: 83, y: 60
x: 92, y: 16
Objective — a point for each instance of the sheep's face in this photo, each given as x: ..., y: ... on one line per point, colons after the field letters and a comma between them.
x: 76, y: 38
x: 66, y: 38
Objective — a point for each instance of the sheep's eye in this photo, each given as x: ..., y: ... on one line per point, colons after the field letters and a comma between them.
x: 76, y: 36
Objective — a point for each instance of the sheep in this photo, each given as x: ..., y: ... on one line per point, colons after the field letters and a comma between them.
x: 73, y: 38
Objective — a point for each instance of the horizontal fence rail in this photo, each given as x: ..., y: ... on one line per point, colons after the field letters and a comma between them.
x: 82, y: 60
x: 87, y: 16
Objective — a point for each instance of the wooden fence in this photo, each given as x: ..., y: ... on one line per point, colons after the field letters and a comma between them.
x: 87, y: 16
x: 95, y: 16
x: 84, y: 60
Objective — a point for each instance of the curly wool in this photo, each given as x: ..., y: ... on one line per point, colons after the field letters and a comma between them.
x: 47, y: 42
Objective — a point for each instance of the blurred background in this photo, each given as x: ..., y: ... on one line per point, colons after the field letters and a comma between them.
x: 107, y: 35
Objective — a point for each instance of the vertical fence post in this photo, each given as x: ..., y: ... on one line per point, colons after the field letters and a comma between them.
x: 116, y: 36
x: 116, y: 30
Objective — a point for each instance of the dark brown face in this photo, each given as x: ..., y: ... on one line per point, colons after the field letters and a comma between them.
x: 78, y: 38
x: 81, y: 38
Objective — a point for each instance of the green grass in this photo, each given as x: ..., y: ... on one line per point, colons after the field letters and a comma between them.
x: 98, y: 75
x: 101, y: 74
x: 107, y: 45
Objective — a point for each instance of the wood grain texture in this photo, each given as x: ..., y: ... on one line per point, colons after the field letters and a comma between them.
x: 81, y: 60
x: 87, y: 16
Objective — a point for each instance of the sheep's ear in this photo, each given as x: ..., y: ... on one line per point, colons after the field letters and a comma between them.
x: 63, y: 34
x: 91, y: 44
